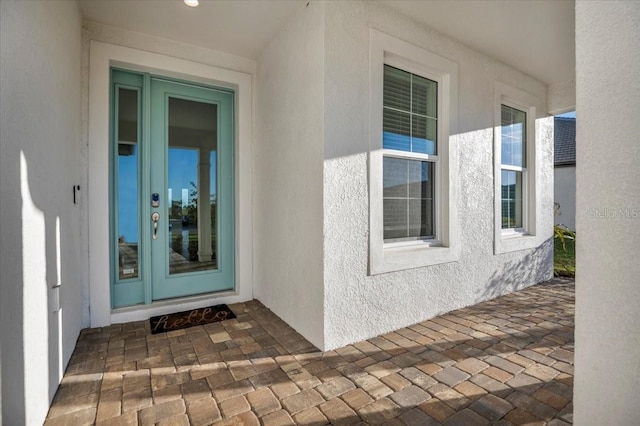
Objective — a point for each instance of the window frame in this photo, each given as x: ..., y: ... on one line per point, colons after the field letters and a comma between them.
x: 522, y: 230
x: 443, y: 247
x: 432, y: 159
x: 521, y: 238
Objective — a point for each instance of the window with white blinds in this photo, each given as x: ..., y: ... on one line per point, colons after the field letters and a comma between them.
x: 410, y: 146
x: 412, y: 169
x: 517, y: 211
x: 410, y: 112
x: 513, y: 169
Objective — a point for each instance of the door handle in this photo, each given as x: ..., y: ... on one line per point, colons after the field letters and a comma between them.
x: 155, y: 217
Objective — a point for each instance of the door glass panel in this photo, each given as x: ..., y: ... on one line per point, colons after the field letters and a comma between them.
x: 192, y: 184
x: 127, y: 184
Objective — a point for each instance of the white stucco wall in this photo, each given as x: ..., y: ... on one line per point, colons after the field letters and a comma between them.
x: 359, y: 306
x: 288, y: 174
x: 163, y: 46
x: 561, y: 97
x: 607, y: 357
x: 564, y: 193
x: 39, y: 164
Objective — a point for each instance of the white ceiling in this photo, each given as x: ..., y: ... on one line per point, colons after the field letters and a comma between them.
x: 241, y: 27
x: 534, y: 36
x: 537, y: 37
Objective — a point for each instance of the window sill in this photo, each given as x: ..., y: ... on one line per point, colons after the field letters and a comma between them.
x: 515, y: 241
x: 415, y: 244
x: 514, y: 233
x: 402, y: 257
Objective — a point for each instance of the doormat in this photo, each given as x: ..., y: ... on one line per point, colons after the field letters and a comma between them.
x: 186, y: 319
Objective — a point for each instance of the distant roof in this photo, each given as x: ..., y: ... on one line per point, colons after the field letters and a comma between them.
x: 564, y: 141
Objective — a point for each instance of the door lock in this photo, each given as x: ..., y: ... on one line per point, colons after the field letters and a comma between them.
x: 155, y: 217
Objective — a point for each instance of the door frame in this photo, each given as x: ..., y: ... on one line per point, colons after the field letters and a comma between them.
x: 95, y: 204
x: 154, y: 284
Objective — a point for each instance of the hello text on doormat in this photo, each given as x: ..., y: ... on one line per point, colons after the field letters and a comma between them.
x: 180, y: 320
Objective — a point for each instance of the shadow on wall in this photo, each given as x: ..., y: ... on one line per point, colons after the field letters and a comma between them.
x: 531, y: 269
x: 11, y: 290
x: 33, y: 360
x: 39, y: 163
x: 39, y: 243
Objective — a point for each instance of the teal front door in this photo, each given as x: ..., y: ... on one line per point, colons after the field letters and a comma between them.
x: 172, y: 189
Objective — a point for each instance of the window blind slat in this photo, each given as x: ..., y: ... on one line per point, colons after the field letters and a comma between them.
x: 412, y: 123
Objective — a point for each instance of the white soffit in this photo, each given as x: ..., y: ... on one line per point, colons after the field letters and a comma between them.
x: 238, y: 27
x: 536, y: 37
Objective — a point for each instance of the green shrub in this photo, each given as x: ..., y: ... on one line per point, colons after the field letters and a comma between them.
x: 564, y: 253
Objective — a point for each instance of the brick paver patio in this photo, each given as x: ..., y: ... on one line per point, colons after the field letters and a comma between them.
x: 506, y: 361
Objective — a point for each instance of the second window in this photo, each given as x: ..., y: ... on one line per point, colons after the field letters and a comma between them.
x: 513, y: 166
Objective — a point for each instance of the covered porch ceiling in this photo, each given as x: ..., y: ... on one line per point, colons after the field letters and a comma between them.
x: 536, y: 37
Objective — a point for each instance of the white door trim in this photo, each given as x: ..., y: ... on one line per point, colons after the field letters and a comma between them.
x: 102, y: 57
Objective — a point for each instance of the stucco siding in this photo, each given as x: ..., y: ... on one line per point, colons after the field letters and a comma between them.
x: 357, y: 305
x: 288, y: 174
x: 607, y: 334
x: 561, y: 97
x: 564, y: 193
x: 310, y: 176
x: 40, y: 295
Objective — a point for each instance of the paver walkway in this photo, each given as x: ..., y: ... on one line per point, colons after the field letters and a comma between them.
x: 505, y: 361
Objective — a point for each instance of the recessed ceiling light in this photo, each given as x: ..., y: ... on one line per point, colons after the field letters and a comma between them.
x: 192, y: 3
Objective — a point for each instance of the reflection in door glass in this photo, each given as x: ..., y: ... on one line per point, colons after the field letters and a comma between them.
x: 192, y: 186
x: 127, y: 172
